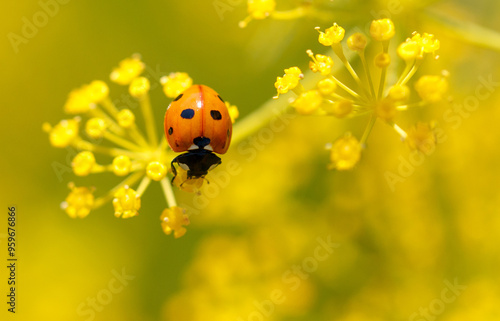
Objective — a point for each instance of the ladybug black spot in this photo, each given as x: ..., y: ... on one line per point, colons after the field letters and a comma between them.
x: 170, y: 131
x: 220, y: 98
x: 187, y: 113
x: 215, y: 114
x: 178, y: 97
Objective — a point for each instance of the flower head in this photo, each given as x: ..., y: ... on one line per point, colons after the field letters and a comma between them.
x: 126, y: 202
x: 173, y: 220
x: 83, y: 163
x: 422, y: 137
x: 64, y: 133
x: 366, y: 93
x: 289, y: 81
x: 127, y: 70
x: 175, y: 83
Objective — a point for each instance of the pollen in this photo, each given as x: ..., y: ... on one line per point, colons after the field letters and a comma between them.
x: 175, y: 83
x: 345, y: 152
x: 95, y: 127
x: 333, y: 35
x: 382, y: 29
x: 121, y: 165
x: 320, y: 63
x: 432, y: 88
x: 79, y: 201
x: 173, y: 220
x: 83, y: 163
x: 156, y: 171
x: 126, y: 118
x: 126, y: 202
x: 127, y: 70
x: 139, y: 87
x: 64, y: 133
x: 308, y: 102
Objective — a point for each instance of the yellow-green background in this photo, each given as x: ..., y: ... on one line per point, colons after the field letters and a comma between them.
x: 396, y: 248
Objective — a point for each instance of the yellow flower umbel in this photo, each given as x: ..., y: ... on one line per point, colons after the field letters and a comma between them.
x: 372, y: 96
x: 102, y: 129
x: 262, y: 9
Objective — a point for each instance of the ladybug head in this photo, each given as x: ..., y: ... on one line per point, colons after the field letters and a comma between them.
x: 196, y: 162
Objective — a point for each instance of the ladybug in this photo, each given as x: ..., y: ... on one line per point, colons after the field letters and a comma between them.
x: 197, y: 122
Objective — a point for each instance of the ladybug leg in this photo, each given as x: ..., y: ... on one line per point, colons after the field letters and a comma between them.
x: 174, y: 171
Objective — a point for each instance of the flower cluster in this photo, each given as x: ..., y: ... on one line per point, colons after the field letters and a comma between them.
x: 113, y: 133
x: 262, y: 9
x: 372, y: 95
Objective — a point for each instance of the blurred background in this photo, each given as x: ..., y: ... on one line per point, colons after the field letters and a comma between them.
x: 425, y: 249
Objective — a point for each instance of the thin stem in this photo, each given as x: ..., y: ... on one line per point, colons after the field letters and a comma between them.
x: 346, y: 88
x: 130, y: 180
x: 81, y: 144
x: 383, y: 74
x: 168, y: 192
x: 149, y: 119
x: 366, y: 67
x: 398, y: 129
x: 143, y: 185
x: 112, y: 125
x: 121, y: 141
x: 368, y: 130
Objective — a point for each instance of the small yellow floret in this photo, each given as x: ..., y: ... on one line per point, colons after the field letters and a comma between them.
x: 340, y: 108
x: 156, y: 171
x: 79, y: 201
x: 175, y: 83
x: 78, y: 102
x: 97, y: 91
x: 357, y: 41
x: 308, y: 102
x: 385, y: 109
x: 382, y: 29
x: 409, y: 50
x: 126, y: 118
x: 382, y: 60
x: 64, y: 133
x: 432, y: 88
x: 174, y: 219
x: 192, y: 185
x: 126, y: 202
x: 95, y: 127
x: 121, y: 165
x: 422, y: 137
x: 83, y: 163
x: 321, y: 63
x: 260, y: 9
x: 345, y: 153
x: 234, y: 113
x: 139, y: 87
x: 127, y: 70
x: 427, y: 42
x: 332, y: 35
x: 399, y: 93
x: 289, y: 81
x: 327, y: 86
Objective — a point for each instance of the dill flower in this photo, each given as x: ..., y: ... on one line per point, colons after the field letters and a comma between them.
x: 262, y: 9
x: 371, y: 96
x: 113, y: 133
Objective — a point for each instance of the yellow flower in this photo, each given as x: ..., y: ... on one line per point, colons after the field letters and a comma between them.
x: 340, y: 108
x: 126, y: 118
x: 127, y: 70
x: 126, y: 202
x: 83, y: 163
x: 432, y: 88
x: 79, y: 201
x: 156, y: 171
x: 175, y: 83
x: 260, y: 9
x: 357, y: 42
x: 185, y: 184
x: 174, y: 219
x: 332, y: 35
x: 427, y: 42
x: 97, y: 91
x: 95, y: 127
x: 422, y: 137
x: 139, y: 87
x: 345, y: 152
x: 121, y: 165
x: 289, y: 81
x: 308, y: 102
x: 320, y: 63
x: 409, y: 50
x: 234, y: 113
x: 382, y: 60
x: 386, y: 109
x: 64, y: 133
x: 382, y: 29
x: 327, y: 86
x: 399, y: 93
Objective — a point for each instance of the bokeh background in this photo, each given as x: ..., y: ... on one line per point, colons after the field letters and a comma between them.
x: 397, y: 250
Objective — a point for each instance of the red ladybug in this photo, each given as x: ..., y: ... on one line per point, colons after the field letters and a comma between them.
x: 197, y: 122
